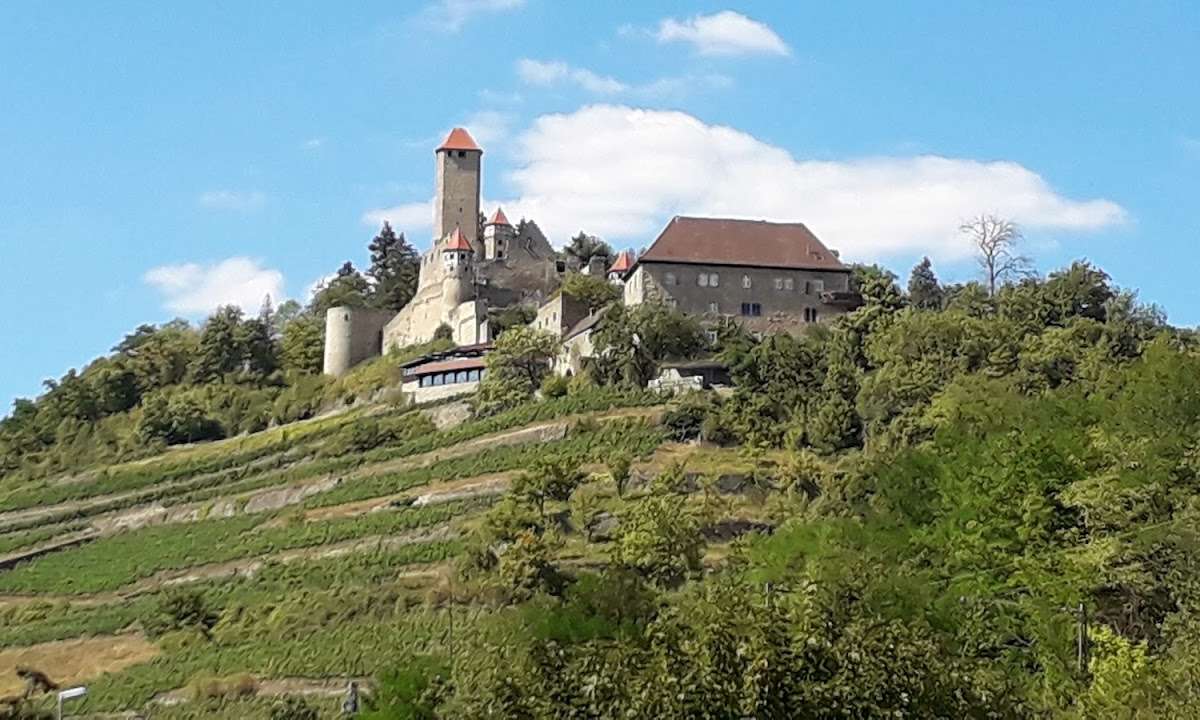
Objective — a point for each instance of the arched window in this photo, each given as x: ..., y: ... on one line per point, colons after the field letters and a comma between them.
x: 746, y: 282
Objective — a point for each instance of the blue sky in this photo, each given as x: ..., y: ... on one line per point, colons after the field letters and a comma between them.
x: 158, y: 158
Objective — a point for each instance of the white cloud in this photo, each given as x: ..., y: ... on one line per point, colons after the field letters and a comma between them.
x: 313, y: 143
x: 622, y: 173
x: 410, y: 218
x: 549, y: 73
x: 195, y: 289
x: 488, y: 126
x: 553, y: 72
x: 232, y: 200
x: 723, y: 33
x: 453, y: 14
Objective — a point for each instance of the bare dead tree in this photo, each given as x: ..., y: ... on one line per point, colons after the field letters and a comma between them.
x: 995, y: 240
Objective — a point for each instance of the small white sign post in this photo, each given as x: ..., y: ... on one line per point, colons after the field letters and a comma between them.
x: 69, y: 694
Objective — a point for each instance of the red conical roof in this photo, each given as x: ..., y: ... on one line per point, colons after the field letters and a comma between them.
x: 458, y: 241
x: 499, y: 218
x: 459, y: 139
x: 623, y: 262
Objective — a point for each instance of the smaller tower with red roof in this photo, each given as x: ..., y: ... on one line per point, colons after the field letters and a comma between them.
x: 458, y: 282
x: 620, y: 266
x: 498, y: 234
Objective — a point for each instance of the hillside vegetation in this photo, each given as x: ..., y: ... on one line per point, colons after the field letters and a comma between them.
x: 947, y: 503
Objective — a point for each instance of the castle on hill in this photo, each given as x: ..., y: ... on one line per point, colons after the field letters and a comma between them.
x: 469, y: 270
x: 768, y: 276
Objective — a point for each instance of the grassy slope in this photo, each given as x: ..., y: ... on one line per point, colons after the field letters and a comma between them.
x: 334, y: 616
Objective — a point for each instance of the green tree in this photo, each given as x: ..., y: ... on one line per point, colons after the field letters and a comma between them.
x: 302, y: 346
x: 593, y: 291
x: 924, y: 291
x: 222, y: 347
x: 395, y: 266
x: 515, y: 368
x: 631, y: 342
x: 659, y: 539
x: 552, y: 478
x: 583, y: 247
x: 257, y: 337
x: 347, y: 288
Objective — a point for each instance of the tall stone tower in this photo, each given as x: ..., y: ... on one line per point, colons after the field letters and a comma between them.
x: 456, y: 202
x: 498, y: 235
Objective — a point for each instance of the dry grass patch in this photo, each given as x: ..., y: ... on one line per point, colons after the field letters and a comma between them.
x: 70, y: 662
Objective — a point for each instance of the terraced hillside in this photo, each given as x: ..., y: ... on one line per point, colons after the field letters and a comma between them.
x: 313, y: 553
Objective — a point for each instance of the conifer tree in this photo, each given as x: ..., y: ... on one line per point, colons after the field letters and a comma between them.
x: 924, y: 291
x: 394, y: 269
x: 257, y: 337
x: 222, y: 347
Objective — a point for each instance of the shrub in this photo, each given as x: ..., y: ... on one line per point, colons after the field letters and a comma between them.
x: 301, y: 401
x: 554, y: 386
x: 619, y: 466
x: 211, y: 687
x: 411, y: 692
x: 684, y: 420
x: 181, y: 609
x: 525, y: 568
x: 370, y: 433
x: 715, y: 429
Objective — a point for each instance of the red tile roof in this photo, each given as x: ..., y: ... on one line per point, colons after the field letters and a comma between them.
x: 623, y: 262
x: 499, y: 218
x: 458, y: 241
x: 755, y: 243
x: 459, y: 139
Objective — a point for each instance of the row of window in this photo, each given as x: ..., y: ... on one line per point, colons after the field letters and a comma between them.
x: 712, y: 279
x: 755, y: 310
x: 452, y: 377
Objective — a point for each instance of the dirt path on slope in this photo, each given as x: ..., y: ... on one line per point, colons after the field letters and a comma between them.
x: 69, y: 662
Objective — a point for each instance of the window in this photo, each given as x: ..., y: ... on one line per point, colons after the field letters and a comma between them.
x: 752, y: 309
x: 714, y: 279
x: 702, y: 279
x: 818, y: 286
x: 778, y: 283
x: 670, y: 279
x: 810, y: 315
x: 789, y: 284
x: 711, y: 335
x: 714, y: 308
x: 746, y: 282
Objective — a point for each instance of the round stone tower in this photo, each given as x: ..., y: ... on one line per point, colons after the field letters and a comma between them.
x: 458, y: 283
x: 351, y: 336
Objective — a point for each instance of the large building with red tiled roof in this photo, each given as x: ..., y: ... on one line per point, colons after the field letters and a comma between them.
x: 771, y: 276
